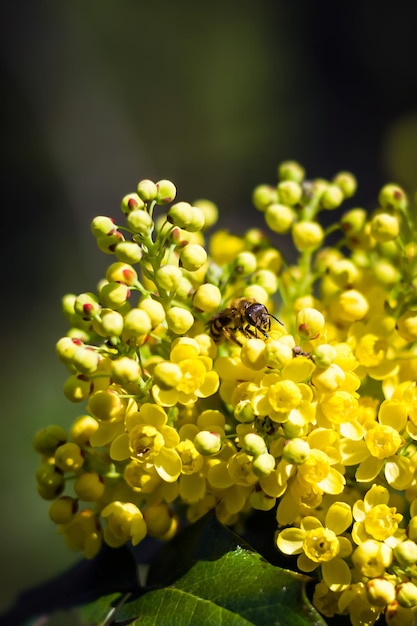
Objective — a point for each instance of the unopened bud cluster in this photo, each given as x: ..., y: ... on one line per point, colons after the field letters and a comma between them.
x: 213, y: 373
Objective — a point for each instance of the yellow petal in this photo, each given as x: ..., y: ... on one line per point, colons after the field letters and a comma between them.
x: 290, y: 540
x: 119, y: 449
x: 336, y: 574
x: 368, y: 469
x: 338, y: 517
x: 105, y: 433
x: 164, y: 397
x: 399, y: 473
x: 333, y: 483
x: 209, y: 386
x: 168, y: 464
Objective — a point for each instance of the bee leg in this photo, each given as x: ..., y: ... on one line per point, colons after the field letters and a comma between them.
x: 229, y: 334
x: 253, y: 333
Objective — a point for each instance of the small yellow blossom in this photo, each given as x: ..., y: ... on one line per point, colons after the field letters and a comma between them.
x: 321, y: 545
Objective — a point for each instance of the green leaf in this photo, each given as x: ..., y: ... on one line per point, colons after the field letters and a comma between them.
x: 98, y: 611
x: 215, y: 578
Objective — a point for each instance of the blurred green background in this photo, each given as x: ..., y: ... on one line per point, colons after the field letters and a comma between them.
x: 99, y: 94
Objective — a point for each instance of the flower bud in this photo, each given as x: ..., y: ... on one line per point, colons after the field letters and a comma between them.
x: 353, y: 221
x: 102, y: 225
x: 125, y: 370
x: 50, y: 481
x: 328, y: 379
x: 332, y: 197
x: 407, y: 325
x: 106, y: 405
x: 347, y: 183
x: 253, y: 444
x: 128, y: 252
x: 243, y: 412
x: 167, y: 375
x: 350, y: 306
x: 296, y: 451
x: 266, y: 279
x: 86, y: 305
x: 121, y: 273
x: 406, y: 552
x: 307, y: 236
x: 180, y: 214
x: 278, y: 353
x: 86, y: 360
x: 310, y: 323
x: 343, y: 272
x: 168, y: 277
x: 263, y: 464
x: 48, y: 439
x: 140, y: 222
x: 207, y: 298
x: 154, y: 309
x: 197, y: 220
x: 257, y: 293
x: 89, y: 486
x: 166, y: 192
x: 291, y: 170
x: 380, y: 591
x: 108, y: 243
x: 192, y: 257
x: 252, y: 354
x: 131, y: 202
x: 66, y: 347
x: 407, y: 594
x: 208, y: 443
x: 392, y: 197
x: 372, y: 557
x: 384, y: 227
x: 62, y: 509
x: 289, y: 192
x: 136, y: 324
x: 77, y: 388
x: 179, y: 320
x: 209, y: 210
x: 82, y: 429
x: 109, y: 324
x: 279, y: 217
x: 324, y: 355
x: 158, y: 518
x: 114, y: 295
x: 69, y: 457
x: 147, y: 190
x: 244, y: 264
x: 256, y: 240
x: 263, y: 196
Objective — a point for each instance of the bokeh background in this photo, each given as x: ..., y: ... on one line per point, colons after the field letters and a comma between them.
x: 99, y: 94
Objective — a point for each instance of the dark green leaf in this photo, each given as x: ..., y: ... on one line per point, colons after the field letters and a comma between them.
x: 214, y: 578
x: 98, y: 611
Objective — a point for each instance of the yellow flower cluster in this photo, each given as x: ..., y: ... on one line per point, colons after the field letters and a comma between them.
x: 198, y: 397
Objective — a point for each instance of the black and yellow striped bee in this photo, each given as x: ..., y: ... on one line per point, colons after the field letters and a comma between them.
x: 244, y: 315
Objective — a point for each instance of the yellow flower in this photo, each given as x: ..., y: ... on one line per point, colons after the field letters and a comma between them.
x: 371, y: 558
x: 320, y: 545
x: 194, y: 377
x: 149, y: 439
x: 374, y: 519
x: 278, y: 397
x: 83, y: 533
x: 355, y: 601
x: 124, y: 521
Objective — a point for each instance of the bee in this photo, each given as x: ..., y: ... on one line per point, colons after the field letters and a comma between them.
x: 244, y: 315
